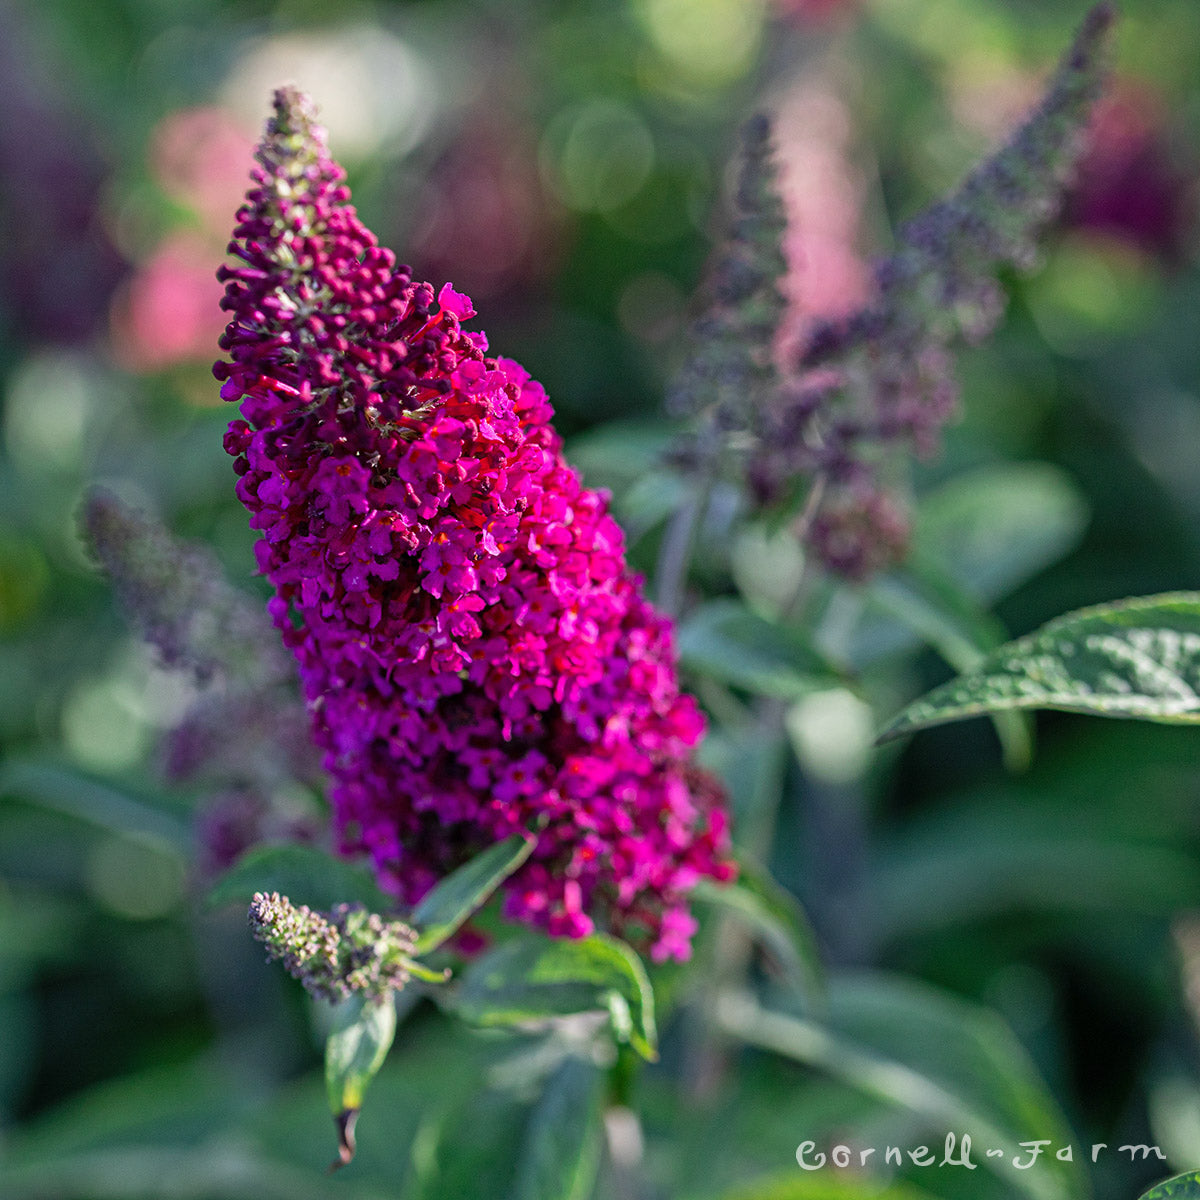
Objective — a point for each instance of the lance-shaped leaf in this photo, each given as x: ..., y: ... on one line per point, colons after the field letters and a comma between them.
x: 525, y: 1130
x: 1181, y: 1187
x: 1135, y: 658
x: 993, y: 527
x: 532, y: 979
x: 933, y: 605
x: 561, y: 1147
x: 358, y: 1043
x: 442, y: 912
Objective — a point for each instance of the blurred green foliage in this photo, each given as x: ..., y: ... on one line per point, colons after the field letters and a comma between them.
x: 564, y: 163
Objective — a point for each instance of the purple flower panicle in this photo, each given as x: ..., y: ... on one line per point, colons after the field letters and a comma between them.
x: 476, y: 657
x: 870, y: 390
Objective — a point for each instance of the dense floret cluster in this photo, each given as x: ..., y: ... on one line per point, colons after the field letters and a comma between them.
x: 476, y: 657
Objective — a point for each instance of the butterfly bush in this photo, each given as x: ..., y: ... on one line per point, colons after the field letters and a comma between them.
x: 242, y: 740
x: 883, y: 379
x: 476, y: 657
x: 837, y: 420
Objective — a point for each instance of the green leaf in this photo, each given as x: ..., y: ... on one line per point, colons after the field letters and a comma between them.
x: 304, y: 874
x: 1135, y: 658
x: 455, y: 898
x: 933, y: 605
x: 978, y: 537
x: 976, y: 858
x: 775, y: 915
x: 993, y: 528
x: 955, y: 1065
x: 561, y: 1150
x: 533, y: 978
x: 76, y: 794
x: 527, y: 1129
x: 727, y: 641
x: 221, y: 1168
x: 361, y: 1035
x: 1181, y: 1187
x: 467, y: 1150
x: 935, y: 608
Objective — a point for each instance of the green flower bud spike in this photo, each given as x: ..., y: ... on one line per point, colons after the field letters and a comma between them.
x: 355, y: 960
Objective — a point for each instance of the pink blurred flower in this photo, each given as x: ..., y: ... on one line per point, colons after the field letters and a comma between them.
x: 166, y: 312
x: 823, y: 194
x: 197, y: 156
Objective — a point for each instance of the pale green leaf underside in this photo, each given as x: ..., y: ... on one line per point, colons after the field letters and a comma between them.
x: 362, y: 1034
x: 1134, y: 658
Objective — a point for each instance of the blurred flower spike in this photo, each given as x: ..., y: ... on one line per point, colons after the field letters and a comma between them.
x: 243, y: 735
x: 476, y: 657
x: 868, y: 390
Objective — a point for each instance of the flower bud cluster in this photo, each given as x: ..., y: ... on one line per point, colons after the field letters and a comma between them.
x: 337, y: 954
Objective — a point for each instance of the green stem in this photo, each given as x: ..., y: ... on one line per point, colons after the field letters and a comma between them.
x: 675, y: 555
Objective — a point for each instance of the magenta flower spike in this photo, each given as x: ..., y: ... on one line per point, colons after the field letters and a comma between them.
x: 476, y: 657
